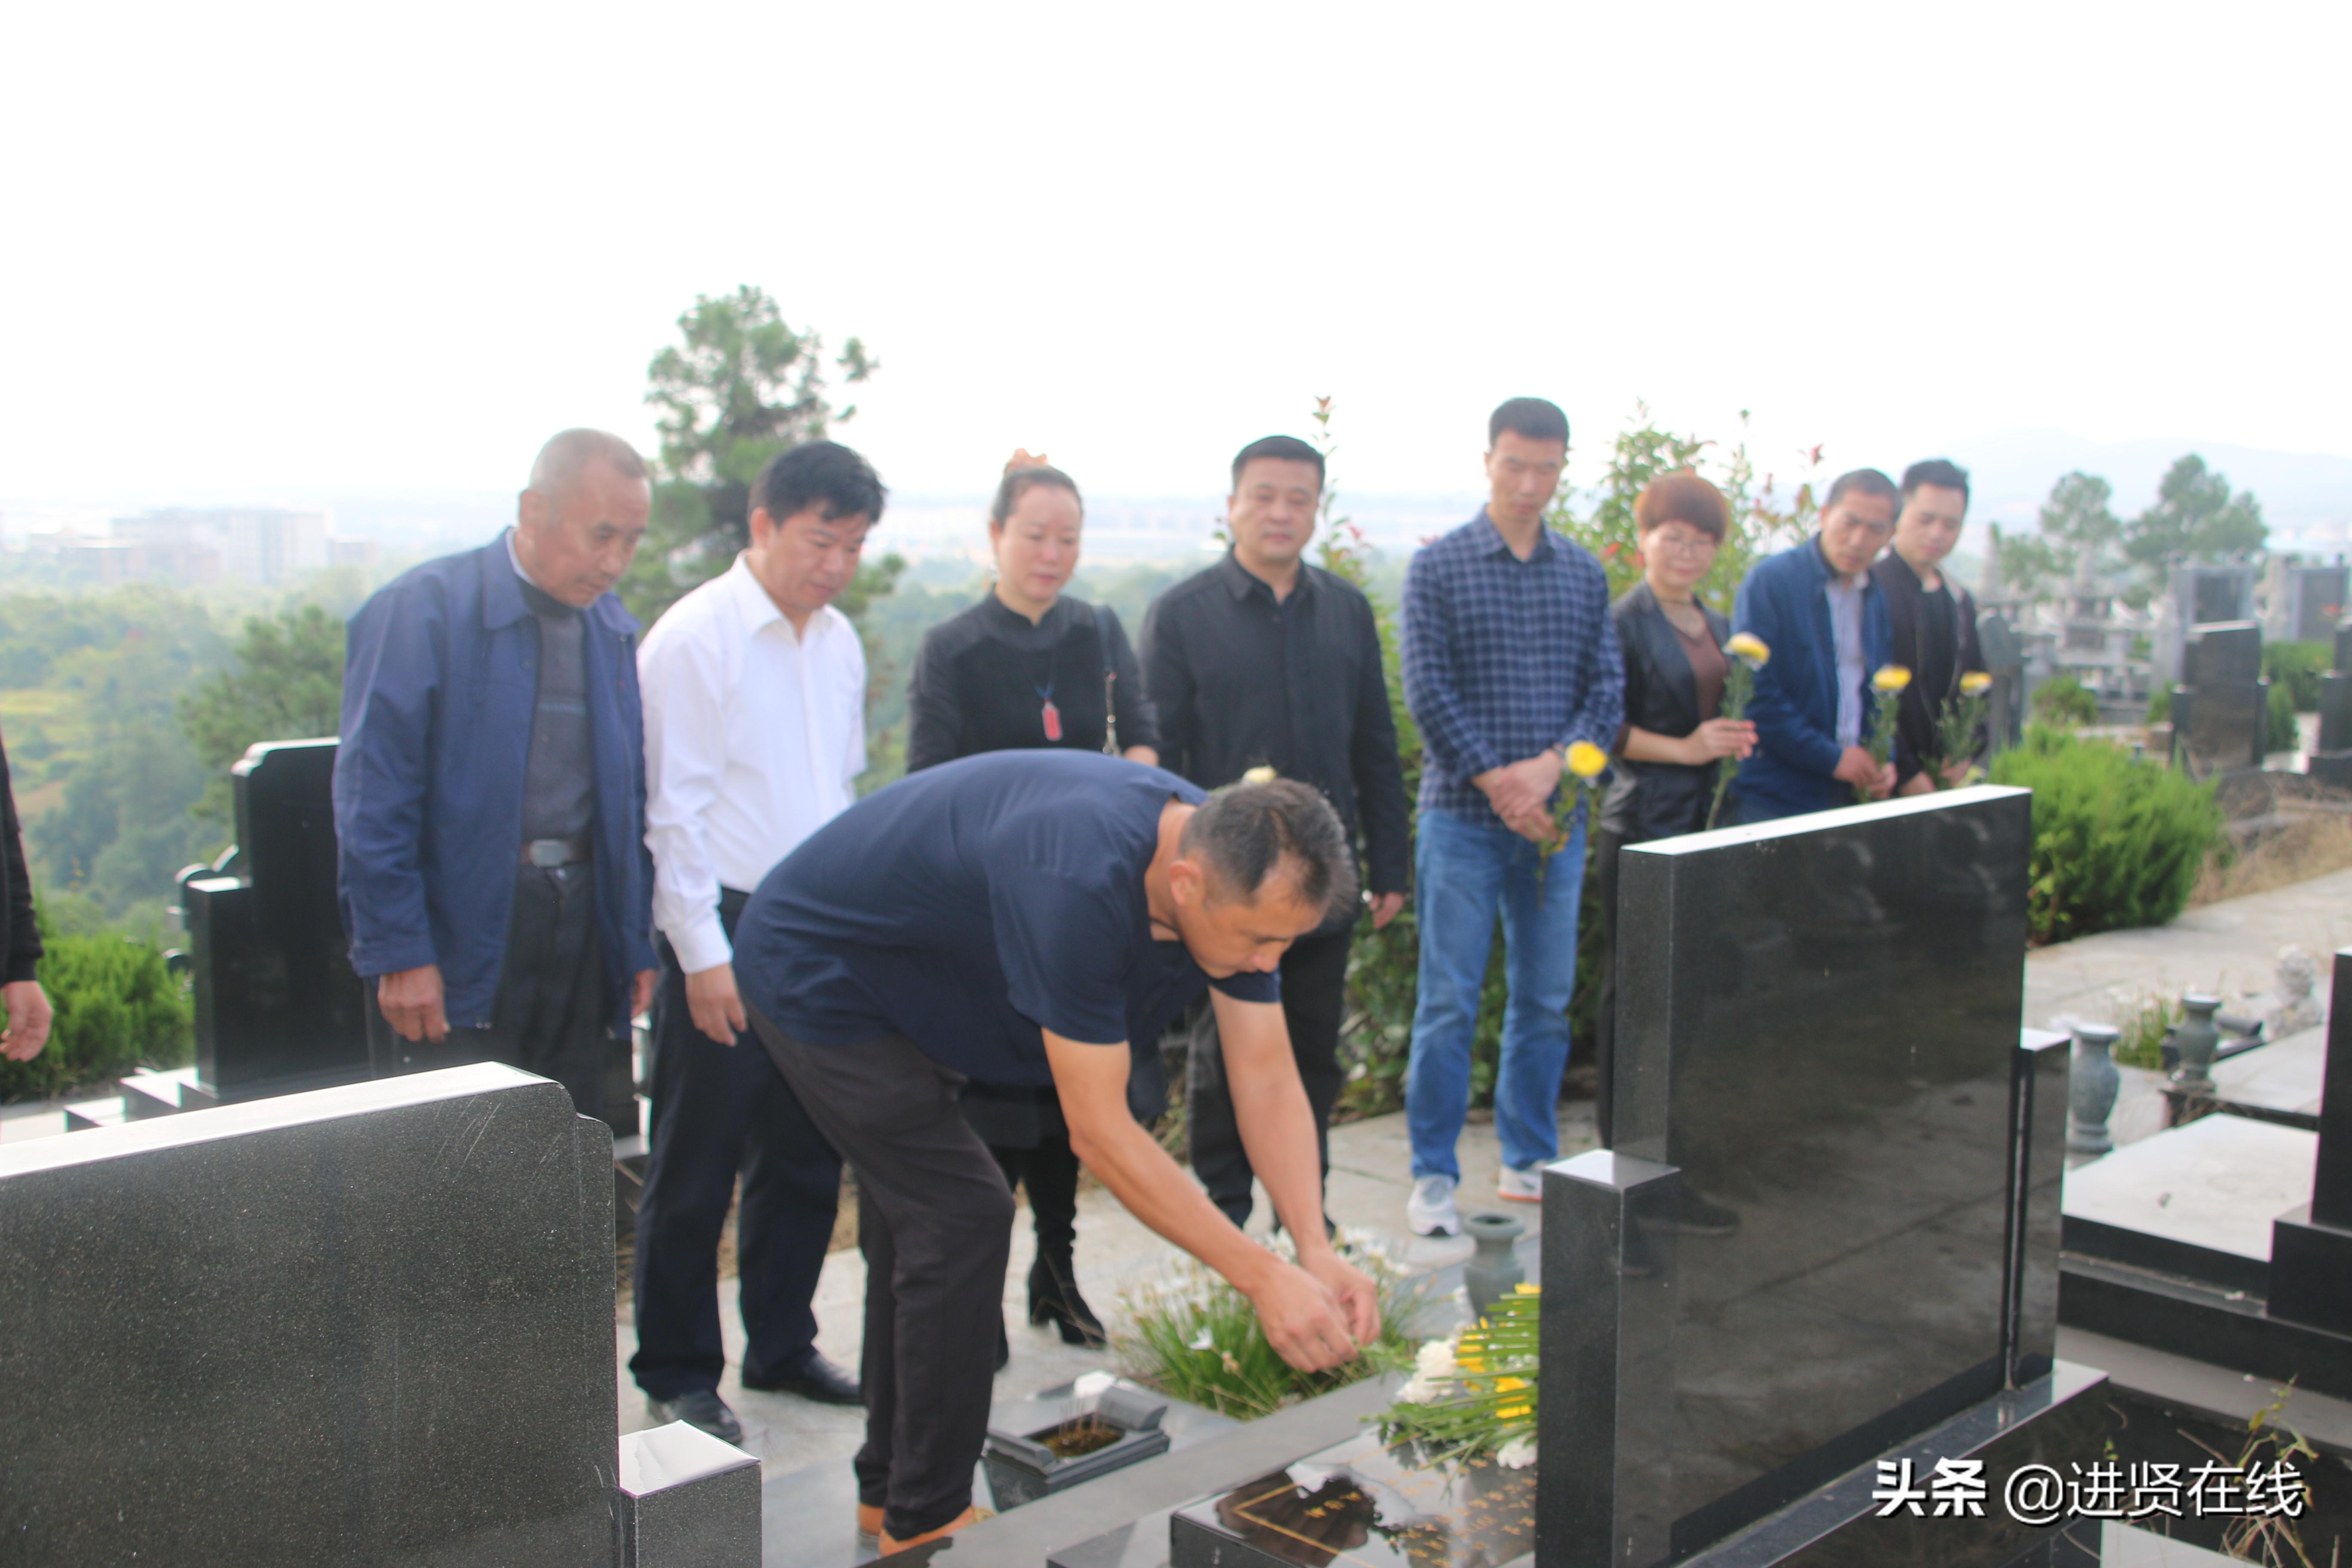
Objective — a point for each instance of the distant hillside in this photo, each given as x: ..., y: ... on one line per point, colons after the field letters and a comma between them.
x: 2306, y: 496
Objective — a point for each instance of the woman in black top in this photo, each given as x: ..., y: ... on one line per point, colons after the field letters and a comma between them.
x: 1028, y: 666
x: 1674, y: 740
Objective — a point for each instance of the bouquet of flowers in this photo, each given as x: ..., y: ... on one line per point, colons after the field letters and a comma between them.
x: 1955, y: 733
x: 1748, y: 655
x: 1888, y: 684
x: 1585, y: 763
x: 1474, y: 1394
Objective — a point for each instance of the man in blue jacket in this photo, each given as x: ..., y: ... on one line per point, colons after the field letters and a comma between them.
x: 1824, y: 620
x: 490, y: 792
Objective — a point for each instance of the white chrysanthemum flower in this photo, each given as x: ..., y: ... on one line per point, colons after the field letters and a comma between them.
x: 1435, y: 1360
x: 1517, y: 1454
x: 1420, y: 1390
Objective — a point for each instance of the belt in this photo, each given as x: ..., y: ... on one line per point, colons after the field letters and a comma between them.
x: 549, y: 853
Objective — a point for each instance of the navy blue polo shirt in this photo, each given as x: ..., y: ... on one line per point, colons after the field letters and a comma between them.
x: 971, y: 905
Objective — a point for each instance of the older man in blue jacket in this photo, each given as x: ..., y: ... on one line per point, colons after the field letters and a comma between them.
x: 490, y: 792
x: 1825, y: 619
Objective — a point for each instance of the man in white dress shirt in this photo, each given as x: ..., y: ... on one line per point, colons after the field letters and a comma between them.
x: 755, y: 733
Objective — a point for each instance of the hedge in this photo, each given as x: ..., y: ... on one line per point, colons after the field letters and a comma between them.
x: 2116, y: 843
x: 118, y: 1008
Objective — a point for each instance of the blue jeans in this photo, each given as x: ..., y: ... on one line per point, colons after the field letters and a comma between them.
x: 1464, y: 873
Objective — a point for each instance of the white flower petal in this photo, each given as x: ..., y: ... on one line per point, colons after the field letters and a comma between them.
x: 1203, y: 1341
x: 1517, y: 1455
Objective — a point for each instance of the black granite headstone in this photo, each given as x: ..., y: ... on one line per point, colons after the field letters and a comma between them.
x: 278, y: 1007
x: 2320, y: 601
x: 2311, y: 1248
x: 1816, y: 1088
x: 2222, y: 653
x: 371, y: 1324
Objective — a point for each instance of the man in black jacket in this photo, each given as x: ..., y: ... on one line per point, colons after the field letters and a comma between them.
x: 1264, y: 661
x: 20, y: 938
x: 1933, y: 620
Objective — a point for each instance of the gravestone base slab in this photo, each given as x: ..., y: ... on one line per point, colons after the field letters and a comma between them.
x: 2056, y: 1420
x: 1365, y: 1504
x: 2202, y: 1321
x: 2311, y: 1272
x: 687, y: 1500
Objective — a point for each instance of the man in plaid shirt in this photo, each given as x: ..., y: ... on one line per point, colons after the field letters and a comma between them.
x: 1509, y: 659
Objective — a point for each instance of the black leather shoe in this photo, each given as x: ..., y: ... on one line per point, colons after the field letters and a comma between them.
x: 702, y: 1409
x: 1053, y: 1298
x: 814, y: 1378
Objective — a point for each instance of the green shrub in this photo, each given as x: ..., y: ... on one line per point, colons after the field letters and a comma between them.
x: 118, y: 1008
x: 2297, y: 666
x: 2062, y: 701
x: 2278, y: 723
x: 2116, y: 843
x: 2159, y: 706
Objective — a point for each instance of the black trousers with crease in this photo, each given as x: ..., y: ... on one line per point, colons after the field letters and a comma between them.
x: 935, y: 1221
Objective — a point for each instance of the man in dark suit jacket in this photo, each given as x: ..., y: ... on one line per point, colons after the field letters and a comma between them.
x: 20, y: 939
x: 1932, y: 619
x: 1825, y: 619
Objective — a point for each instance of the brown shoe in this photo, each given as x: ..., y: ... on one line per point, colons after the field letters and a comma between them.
x: 891, y: 1543
x: 869, y: 1520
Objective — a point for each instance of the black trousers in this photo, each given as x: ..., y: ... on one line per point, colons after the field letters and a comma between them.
x: 1050, y: 1166
x: 1314, y: 1004
x: 935, y: 1221
x: 550, y: 1015
x: 1602, y: 868
x: 720, y: 1110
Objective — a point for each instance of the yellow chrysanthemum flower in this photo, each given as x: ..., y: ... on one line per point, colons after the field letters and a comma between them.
x: 1976, y: 683
x: 1515, y: 1412
x: 1585, y: 759
x: 1749, y: 650
x: 1505, y: 1385
x: 1260, y: 775
x: 1891, y: 679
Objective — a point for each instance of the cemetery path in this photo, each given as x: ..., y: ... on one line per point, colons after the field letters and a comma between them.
x: 2230, y: 948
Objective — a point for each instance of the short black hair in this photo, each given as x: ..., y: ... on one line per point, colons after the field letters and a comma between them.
x: 1861, y: 482
x: 1941, y: 473
x: 1533, y: 418
x: 1287, y: 448
x: 1246, y: 830
x: 824, y: 475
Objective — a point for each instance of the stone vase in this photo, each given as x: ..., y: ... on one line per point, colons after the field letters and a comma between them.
x: 2091, y: 1091
x: 2196, y: 1037
x: 1494, y: 1271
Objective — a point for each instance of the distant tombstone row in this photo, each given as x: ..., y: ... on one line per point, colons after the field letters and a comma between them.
x: 2220, y: 709
x: 2331, y: 760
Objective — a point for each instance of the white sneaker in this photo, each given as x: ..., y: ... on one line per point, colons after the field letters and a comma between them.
x: 1521, y: 1186
x: 1430, y: 1210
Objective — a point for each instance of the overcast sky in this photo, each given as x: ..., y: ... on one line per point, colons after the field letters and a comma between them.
x: 271, y: 250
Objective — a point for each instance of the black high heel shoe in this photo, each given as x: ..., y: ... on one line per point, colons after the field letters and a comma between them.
x: 1053, y: 1298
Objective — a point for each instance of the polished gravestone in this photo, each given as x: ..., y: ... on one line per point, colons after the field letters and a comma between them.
x: 370, y: 1324
x: 1828, y: 1236
x: 2317, y: 599
x: 1829, y: 1228
x: 2331, y: 760
x: 278, y: 1007
x: 2221, y: 712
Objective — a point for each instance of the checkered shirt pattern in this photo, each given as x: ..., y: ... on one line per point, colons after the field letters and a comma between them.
x: 1502, y: 658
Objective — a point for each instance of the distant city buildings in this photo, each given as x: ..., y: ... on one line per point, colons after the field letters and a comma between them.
x: 193, y: 546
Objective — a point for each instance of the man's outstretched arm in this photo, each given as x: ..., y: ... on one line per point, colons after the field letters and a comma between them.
x: 1306, y: 1322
